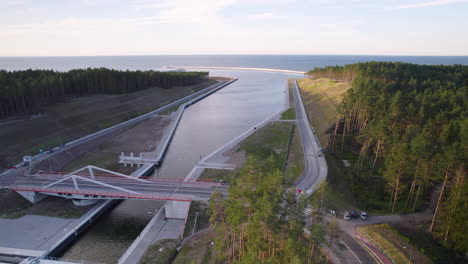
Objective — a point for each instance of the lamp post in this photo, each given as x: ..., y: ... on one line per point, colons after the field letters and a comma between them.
x: 195, y: 222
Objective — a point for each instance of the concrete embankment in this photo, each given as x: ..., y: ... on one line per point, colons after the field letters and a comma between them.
x: 80, y: 227
x: 216, y: 159
x: 160, y: 226
x: 168, y: 138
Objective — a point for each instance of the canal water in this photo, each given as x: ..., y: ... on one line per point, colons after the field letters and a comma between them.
x: 204, y: 127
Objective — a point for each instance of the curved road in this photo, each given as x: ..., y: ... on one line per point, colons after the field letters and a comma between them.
x: 315, y: 169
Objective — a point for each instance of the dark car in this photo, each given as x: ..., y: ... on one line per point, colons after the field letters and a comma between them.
x: 354, y: 214
x: 223, y: 182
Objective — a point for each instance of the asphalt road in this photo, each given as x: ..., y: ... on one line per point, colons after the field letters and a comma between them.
x: 315, y: 169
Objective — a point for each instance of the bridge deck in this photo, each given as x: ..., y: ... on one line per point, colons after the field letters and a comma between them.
x: 107, y: 186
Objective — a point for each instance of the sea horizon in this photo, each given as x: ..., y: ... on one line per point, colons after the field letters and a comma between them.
x: 294, y: 62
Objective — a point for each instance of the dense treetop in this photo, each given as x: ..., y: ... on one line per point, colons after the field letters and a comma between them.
x: 412, y: 119
x: 22, y: 91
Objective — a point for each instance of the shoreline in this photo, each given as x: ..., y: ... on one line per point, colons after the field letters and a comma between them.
x: 238, y: 68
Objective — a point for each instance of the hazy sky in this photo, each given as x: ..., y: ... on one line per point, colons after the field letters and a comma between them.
x: 125, y: 27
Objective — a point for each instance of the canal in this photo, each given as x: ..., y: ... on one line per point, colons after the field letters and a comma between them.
x: 205, y: 126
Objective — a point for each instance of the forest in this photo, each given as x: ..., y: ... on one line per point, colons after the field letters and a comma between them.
x: 262, y: 219
x: 26, y: 90
x: 409, y: 124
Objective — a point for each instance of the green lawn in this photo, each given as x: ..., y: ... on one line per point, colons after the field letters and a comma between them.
x: 203, y: 219
x: 270, y: 141
x: 198, y: 250
x: 217, y: 174
x: 321, y: 97
x: 295, y: 162
x: 289, y: 114
x: 162, y: 252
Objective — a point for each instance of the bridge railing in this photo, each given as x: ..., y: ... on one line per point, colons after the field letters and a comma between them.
x: 102, y: 194
x: 116, y: 179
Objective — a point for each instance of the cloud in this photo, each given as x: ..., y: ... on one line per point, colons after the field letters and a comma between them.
x: 261, y: 16
x: 187, y: 11
x: 430, y: 3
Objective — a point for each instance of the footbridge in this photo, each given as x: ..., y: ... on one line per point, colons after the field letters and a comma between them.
x: 92, y: 182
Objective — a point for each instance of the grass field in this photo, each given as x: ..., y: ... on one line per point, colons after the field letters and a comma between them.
x: 295, y: 162
x: 203, y: 219
x: 78, y: 117
x: 217, y: 174
x: 162, y: 252
x: 198, y: 250
x: 270, y: 140
x: 321, y: 97
x: 289, y: 114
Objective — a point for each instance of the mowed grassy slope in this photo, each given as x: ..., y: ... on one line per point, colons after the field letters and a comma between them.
x: 78, y: 117
x: 393, y: 244
x: 321, y: 97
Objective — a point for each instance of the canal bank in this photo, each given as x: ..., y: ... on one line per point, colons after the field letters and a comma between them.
x: 69, y: 230
x: 145, y: 170
x: 204, y: 127
x: 214, y: 160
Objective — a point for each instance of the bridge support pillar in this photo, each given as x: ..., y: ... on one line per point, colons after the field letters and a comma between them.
x: 177, y: 209
x: 85, y: 202
x: 33, y: 197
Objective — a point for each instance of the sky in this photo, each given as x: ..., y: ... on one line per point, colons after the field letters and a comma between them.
x: 144, y: 27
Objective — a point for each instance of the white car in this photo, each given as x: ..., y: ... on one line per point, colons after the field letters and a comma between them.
x: 347, y: 216
x: 364, y: 216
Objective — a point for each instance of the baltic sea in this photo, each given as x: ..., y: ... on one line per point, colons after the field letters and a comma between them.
x: 155, y: 62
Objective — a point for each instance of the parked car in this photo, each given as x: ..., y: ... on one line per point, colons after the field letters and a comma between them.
x: 347, y: 216
x: 354, y: 214
x: 223, y: 182
x: 364, y: 216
